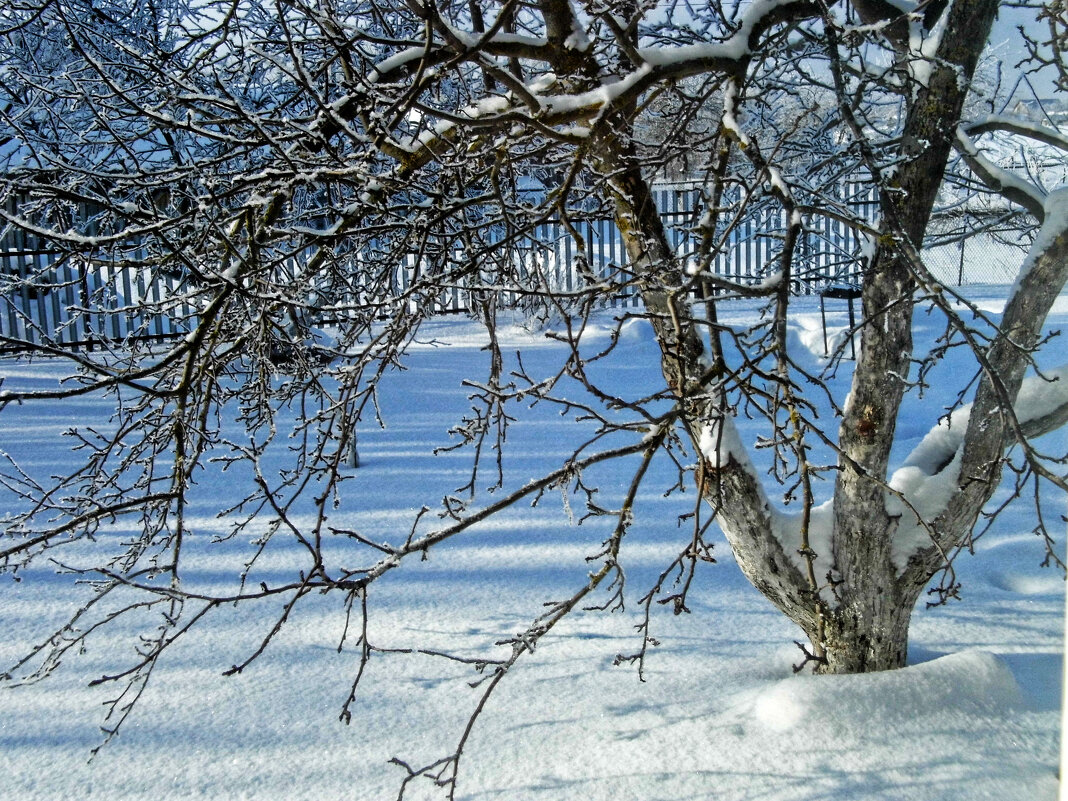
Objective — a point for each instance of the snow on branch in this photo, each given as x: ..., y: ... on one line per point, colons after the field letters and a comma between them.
x: 929, y: 476
x: 656, y: 64
x: 1006, y: 183
x: 1041, y: 406
x: 1019, y: 127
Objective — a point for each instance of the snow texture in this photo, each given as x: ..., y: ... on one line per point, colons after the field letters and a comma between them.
x: 720, y: 715
x: 720, y: 444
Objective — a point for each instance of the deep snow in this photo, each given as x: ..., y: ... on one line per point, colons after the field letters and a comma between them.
x: 720, y: 715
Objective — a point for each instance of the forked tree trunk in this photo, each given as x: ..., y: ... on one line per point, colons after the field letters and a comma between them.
x: 856, y: 617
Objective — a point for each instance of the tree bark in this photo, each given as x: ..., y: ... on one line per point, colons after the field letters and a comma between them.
x: 868, y: 626
x: 732, y: 490
x: 869, y: 636
x: 990, y: 428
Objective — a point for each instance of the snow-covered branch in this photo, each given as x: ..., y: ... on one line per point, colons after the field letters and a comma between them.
x: 932, y: 469
x: 1019, y: 127
x: 999, y: 179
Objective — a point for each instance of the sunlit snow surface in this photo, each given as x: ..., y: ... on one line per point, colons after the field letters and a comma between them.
x: 720, y: 715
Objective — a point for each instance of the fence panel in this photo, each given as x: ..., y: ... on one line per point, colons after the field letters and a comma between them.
x: 47, y: 297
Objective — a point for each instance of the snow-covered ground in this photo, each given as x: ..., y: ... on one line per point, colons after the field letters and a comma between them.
x: 720, y: 715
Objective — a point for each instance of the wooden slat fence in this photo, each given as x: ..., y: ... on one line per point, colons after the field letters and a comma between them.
x: 49, y: 297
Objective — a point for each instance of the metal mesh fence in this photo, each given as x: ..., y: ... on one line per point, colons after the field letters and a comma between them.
x: 982, y: 259
x: 957, y: 257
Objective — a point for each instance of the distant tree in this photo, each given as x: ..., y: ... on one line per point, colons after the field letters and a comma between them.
x: 1049, y: 49
x: 284, y: 159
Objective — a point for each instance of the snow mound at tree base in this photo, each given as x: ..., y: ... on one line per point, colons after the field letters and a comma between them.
x: 960, y: 726
x: 964, y: 684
